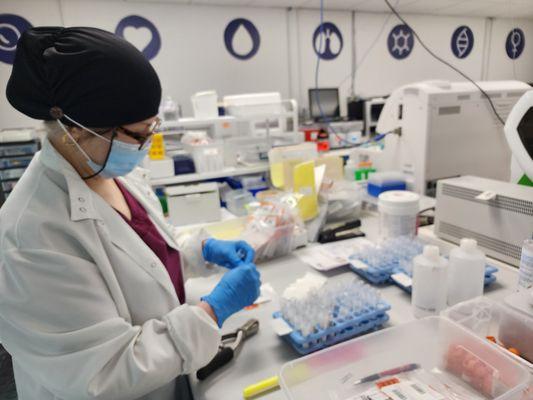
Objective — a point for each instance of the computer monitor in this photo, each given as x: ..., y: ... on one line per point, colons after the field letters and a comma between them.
x: 329, y: 103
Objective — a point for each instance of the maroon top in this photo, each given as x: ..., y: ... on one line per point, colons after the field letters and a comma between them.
x: 143, y: 226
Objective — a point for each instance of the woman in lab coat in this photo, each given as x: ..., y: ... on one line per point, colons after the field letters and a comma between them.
x: 91, y: 275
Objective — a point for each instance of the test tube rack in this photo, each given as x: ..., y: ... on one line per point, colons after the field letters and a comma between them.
x: 339, y: 329
x: 377, y: 264
x: 490, y: 277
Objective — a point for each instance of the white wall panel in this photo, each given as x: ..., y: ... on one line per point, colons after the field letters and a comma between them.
x: 193, y: 56
x: 37, y: 12
x: 380, y: 73
x: 500, y: 66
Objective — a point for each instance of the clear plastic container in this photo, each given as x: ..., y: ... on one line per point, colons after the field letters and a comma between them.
x: 205, y: 105
x: 236, y: 201
x: 428, y: 342
x: 398, y: 211
x: 525, y: 274
x: 207, y: 157
x: 507, y: 324
x: 283, y: 159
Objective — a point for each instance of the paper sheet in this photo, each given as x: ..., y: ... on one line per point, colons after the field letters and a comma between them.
x: 333, y: 255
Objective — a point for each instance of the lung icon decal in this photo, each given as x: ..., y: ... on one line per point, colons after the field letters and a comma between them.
x: 327, y: 41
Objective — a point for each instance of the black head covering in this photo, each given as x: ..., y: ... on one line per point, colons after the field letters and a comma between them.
x: 95, y: 77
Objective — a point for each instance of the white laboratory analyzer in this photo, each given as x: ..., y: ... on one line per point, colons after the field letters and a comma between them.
x: 448, y: 129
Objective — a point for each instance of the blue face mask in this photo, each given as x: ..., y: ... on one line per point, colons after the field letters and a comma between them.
x: 122, y: 158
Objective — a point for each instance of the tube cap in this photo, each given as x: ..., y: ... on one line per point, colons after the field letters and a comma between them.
x: 468, y: 244
x: 431, y: 252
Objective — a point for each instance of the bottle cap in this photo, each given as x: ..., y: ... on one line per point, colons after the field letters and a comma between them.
x: 431, y: 252
x: 468, y: 244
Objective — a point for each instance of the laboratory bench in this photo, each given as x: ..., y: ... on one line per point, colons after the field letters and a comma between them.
x: 263, y: 355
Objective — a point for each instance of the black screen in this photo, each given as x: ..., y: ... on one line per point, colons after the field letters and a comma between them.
x: 329, y: 103
x: 525, y: 131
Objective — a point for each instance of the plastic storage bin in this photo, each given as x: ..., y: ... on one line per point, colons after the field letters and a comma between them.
x: 193, y: 204
x: 207, y: 157
x: 426, y: 342
x: 510, y: 326
x: 236, y: 201
x: 205, y: 105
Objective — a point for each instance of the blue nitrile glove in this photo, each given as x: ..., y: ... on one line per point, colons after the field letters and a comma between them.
x: 226, y: 253
x: 237, y: 289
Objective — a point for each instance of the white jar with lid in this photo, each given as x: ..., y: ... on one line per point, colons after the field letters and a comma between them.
x: 398, y: 210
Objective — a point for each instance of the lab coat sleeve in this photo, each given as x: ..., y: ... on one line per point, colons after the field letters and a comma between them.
x: 59, y: 321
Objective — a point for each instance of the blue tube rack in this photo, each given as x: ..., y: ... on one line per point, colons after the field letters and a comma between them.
x: 378, y: 276
x: 340, y: 329
x: 490, y: 277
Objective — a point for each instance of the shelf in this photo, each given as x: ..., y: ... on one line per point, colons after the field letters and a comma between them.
x: 230, y: 171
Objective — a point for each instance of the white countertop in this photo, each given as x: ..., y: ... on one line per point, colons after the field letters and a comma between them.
x: 263, y: 354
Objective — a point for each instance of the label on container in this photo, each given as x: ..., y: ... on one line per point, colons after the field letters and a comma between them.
x: 525, y: 274
x: 280, y: 327
x: 399, y: 225
x: 372, y: 394
x: 407, y: 390
x: 402, y: 279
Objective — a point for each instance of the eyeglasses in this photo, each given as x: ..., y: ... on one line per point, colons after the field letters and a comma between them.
x: 142, y: 138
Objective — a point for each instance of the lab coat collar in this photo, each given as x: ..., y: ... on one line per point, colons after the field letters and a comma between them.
x: 82, y: 198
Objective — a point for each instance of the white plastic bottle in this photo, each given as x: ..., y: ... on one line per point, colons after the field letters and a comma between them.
x: 430, y: 273
x: 525, y: 273
x: 467, y: 272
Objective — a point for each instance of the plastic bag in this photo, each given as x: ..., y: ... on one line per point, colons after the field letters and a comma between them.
x: 272, y: 225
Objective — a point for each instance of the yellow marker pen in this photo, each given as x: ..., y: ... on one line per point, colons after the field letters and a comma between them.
x: 260, y: 387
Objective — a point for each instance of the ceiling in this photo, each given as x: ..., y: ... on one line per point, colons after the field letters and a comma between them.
x: 477, y: 8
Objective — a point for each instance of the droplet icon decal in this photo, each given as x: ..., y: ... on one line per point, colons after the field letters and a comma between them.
x: 242, y: 39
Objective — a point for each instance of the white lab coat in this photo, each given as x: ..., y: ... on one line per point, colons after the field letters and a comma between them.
x: 87, y: 310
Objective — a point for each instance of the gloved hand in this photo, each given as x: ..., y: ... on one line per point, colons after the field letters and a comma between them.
x: 237, y: 289
x: 228, y: 253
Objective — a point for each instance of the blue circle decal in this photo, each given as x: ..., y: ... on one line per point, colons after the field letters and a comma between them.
x: 462, y: 41
x: 11, y: 28
x: 135, y: 21
x: 238, y: 27
x: 400, y: 41
x: 327, y: 41
x: 515, y: 43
